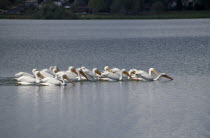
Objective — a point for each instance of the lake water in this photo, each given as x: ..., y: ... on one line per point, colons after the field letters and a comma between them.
x: 161, y: 109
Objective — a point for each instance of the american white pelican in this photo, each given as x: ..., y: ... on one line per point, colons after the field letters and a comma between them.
x: 72, y: 70
x: 74, y: 75
x: 48, y: 81
x: 23, y: 74
x: 142, y: 75
x: 80, y: 72
x: 115, y: 70
x: 91, y: 75
x: 28, y: 80
x: 115, y: 76
x: 107, y: 68
x: 49, y: 72
x: 124, y: 73
x: 119, y: 72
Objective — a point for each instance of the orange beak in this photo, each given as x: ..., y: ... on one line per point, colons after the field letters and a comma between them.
x: 126, y: 73
x: 155, y: 72
x: 98, y: 72
x: 73, y: 70
x: 65, y: 77
x: 40, y: 75
x: 83, y: 74
x: 168, y: 77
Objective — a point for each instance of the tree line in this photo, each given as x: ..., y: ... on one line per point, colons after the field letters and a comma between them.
x: 136, y: 6
x: 129, y: 6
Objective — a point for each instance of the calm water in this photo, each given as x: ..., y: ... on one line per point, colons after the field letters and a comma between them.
x: 164, y: 109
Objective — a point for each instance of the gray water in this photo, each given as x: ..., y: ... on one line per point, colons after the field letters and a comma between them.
x: 163, y: 109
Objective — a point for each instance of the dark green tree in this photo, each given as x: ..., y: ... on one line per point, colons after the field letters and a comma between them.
x: 96, y: 5
x: 51, y: 11
x: 206, y: 4
x: 157, y: 6
x: 108, y: 4
x: 136, y: 5
x: 4, y: 4
x: 179, y: 4
x: 118, y: 6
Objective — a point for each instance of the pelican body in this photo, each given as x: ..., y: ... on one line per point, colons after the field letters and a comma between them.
x: 29, y: 80
x: 91, y: 75
x: 48, y: 81
x: 54, y: 77
x: 142, y: 75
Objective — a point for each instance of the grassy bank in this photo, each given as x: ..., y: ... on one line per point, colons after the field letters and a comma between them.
x: 16, y: 17
x: 162, y: 15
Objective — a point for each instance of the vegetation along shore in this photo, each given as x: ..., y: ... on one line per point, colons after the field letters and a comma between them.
x: 104, y: 9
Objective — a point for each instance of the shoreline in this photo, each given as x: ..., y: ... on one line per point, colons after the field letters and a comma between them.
x: 106, y: 16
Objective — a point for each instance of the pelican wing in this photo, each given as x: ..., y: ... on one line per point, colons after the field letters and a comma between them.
x: 115, y: 70
x: 110, y: 75
x: 119, y: 72
x: 144, y: 75
x: 52, y: 81
x: 89, y: 73
x: 69, y: 74
x: 27, y: 79
x: 72, y: 76
x: 46, y: 74
x: 23, y: 74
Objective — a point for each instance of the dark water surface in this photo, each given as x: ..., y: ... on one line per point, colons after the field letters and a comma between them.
x: 164, y: 109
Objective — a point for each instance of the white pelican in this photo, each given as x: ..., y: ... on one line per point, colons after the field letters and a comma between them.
x: 72, y: 74
x: 115, y: 70
x: 114, y: 76
x: 72, y: 70
x: 80, y: 72
x: 123, y: 72
x: 142, y: 75
x: 23, y: 74
x: 28, y: 80
x: 119, y: 72
x: 107, y: 68
x: 92, y: 75
x: 49, y: 72
x: 48, y: 81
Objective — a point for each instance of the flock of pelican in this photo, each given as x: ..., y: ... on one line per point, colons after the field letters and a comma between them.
x: 53, y: 76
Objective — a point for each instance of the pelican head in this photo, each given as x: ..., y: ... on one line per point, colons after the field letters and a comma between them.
x: 33, y: 70
x: 83, y: 67
x: 96, y: 71
x: 106, y: 68
x: 132, y: 71
x: 72, y: 69
x: 36, y: 74
x: 152, y: 70
x: 55, y: 69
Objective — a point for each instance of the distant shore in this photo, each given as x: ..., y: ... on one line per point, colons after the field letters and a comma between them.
x: 149, y: 15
